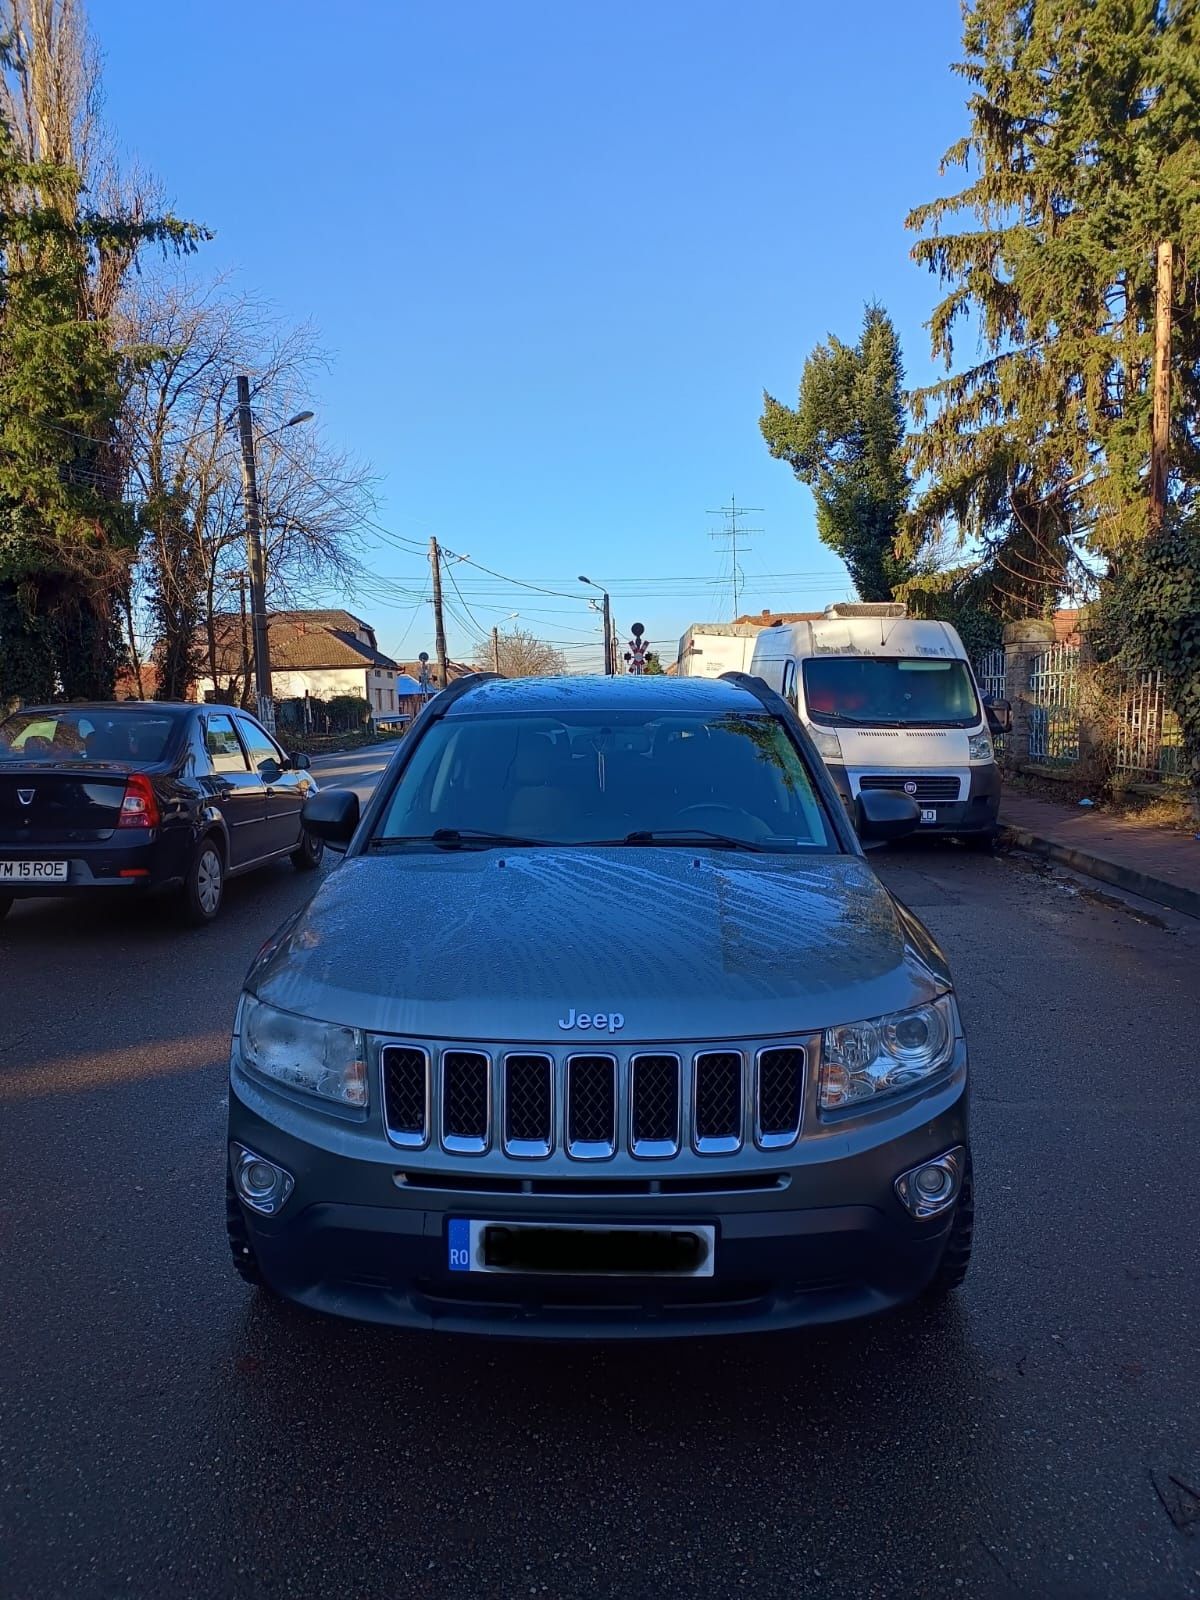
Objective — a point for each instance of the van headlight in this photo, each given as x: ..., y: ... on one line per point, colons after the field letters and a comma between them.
x: 829, y: 746
x: 979, y: 747
x: 316, y: 1057
x: 862, y: 1060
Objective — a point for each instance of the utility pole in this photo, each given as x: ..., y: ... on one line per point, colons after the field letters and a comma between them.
x: 610, y: 655
x: 1160, y: 429
x: 439, y: 620
x: 734, y: 533
x: 495, y: 649
x: 255, y: 560
x: 240, y: 579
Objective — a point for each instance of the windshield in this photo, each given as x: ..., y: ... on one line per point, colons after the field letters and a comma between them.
x: 604, y: 776
x: 890, y: 690
x: 110, y: 734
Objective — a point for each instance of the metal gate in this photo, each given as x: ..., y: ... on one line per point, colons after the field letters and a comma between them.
x: 1054, y: 708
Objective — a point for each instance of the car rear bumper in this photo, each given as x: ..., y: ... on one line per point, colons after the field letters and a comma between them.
x: 129, y: 865
x: 830, y: 1243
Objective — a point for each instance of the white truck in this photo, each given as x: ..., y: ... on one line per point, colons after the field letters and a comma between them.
x: 891, y: 702
x: 708, y: 649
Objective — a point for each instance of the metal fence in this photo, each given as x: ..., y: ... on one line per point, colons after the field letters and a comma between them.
x: 990, y: 670
x: 1054, y: 709
x: 1148, y: 742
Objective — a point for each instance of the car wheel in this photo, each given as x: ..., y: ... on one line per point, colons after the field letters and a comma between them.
x: 245, y: 1262
x: 6, y: 905
x: 956, y: 1257
x: 204, y: 884
x: 307, y: 855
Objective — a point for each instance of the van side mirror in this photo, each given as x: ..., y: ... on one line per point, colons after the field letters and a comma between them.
x: 999, y: 716
x: 332, y: 815
x: 883, y: 814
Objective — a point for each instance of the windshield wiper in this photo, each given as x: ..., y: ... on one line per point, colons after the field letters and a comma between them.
x: 452, y: 838
x: 724, y: 841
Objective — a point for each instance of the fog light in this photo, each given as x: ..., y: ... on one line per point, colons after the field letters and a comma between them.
x: 260, y: 1184
x: 933, y: 1186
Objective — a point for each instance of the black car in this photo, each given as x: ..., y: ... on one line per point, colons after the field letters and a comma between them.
x: 133, y: 797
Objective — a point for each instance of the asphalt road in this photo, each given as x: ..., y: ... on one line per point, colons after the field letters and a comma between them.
x: 164, y: 1432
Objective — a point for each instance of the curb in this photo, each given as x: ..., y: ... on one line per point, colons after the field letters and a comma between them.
x: 1160, y: 890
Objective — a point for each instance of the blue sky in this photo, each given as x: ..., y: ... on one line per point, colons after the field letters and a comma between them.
x: 557, y: 249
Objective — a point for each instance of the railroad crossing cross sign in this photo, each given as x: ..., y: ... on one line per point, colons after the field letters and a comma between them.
x: 637, y: 650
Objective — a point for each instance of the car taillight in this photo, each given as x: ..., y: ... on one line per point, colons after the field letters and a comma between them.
x: 139, y: 808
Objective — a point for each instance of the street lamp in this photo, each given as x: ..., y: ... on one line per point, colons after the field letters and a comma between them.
x: 608, y: 649
x: 254, y: 550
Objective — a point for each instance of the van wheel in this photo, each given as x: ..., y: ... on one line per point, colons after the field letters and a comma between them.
x: 306, y: 857
x: 203, y: 884
x: 956, y: 1257
x: 6, y: 905
x: 245, y: 1262
x: 983, y: 844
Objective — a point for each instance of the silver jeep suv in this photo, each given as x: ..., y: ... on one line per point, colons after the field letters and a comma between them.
x: 604, y: 1027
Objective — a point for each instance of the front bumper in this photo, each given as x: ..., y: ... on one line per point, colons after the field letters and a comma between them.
x: 977, y: 813
x: 827, y: 1240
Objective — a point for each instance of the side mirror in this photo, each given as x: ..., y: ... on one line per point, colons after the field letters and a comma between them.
x: 299, y: 762
x: 883, y: 814
x: 331, y: 815
x: 999, y: 716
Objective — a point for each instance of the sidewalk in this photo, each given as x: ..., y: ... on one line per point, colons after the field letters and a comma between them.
x: 1160, y: 866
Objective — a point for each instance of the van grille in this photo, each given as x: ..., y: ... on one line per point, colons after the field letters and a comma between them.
x: 928, y: 787
x: 650, y: 1104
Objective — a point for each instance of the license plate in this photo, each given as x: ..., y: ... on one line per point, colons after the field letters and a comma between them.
x: 33, y: 872
x: 580, y: 1249
x: 928, y: 814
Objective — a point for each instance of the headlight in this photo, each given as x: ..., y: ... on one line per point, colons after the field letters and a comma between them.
x: 979, y: 746
x: 829, y: 746
x: 316, y: 1057
x: 865, y: 1059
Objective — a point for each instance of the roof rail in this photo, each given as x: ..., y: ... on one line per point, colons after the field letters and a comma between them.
x: 440, y: 703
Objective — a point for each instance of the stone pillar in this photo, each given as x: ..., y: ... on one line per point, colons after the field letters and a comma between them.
x: 1023, y: 642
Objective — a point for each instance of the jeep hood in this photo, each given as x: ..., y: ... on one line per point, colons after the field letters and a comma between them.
x: 685, y: 944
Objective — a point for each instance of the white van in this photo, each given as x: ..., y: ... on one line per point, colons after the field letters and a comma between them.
x: 891, y: 703
x: 709, y: 649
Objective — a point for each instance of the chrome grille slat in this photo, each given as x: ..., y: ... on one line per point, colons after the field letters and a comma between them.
x: 717, y: 1102
x: 466, y: 1101
x: 405, y: 1075
x: 528, y: 1105
x: 654, y: 1105
x: 778, y: 1096
x: 591, y: 1108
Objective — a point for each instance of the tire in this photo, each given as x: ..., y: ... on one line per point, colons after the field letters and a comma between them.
x: 982, y: 844
x: 245, y: 1262
x: 308, y: 854
x: 204, y: 883
x: 956, y: 1257
x: 6, y: 905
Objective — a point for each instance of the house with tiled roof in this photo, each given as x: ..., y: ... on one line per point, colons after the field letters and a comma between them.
x: 321, y: 654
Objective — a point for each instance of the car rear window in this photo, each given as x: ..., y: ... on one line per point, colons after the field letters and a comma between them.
x: 589, y: 776
x: 92, y: 735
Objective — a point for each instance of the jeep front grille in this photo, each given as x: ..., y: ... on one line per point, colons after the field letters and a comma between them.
x: 651, y: 1104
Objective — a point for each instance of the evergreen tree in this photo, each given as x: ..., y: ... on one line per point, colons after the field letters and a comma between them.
x: 1085, y: 116
x: 845, y: 440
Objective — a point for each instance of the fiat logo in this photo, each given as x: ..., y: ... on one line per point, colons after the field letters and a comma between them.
x: 910, y: 787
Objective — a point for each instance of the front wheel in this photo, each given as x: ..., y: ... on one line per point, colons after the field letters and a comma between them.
x: 306, y: 857
x: 204, y: 884
x: 956, y: 1257
x: 982, y: 843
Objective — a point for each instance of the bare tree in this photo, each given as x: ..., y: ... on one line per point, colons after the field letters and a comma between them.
x: 522, y: 655
x: 186, y: 346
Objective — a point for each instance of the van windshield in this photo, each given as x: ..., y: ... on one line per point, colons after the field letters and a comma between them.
x: 890, y: 691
